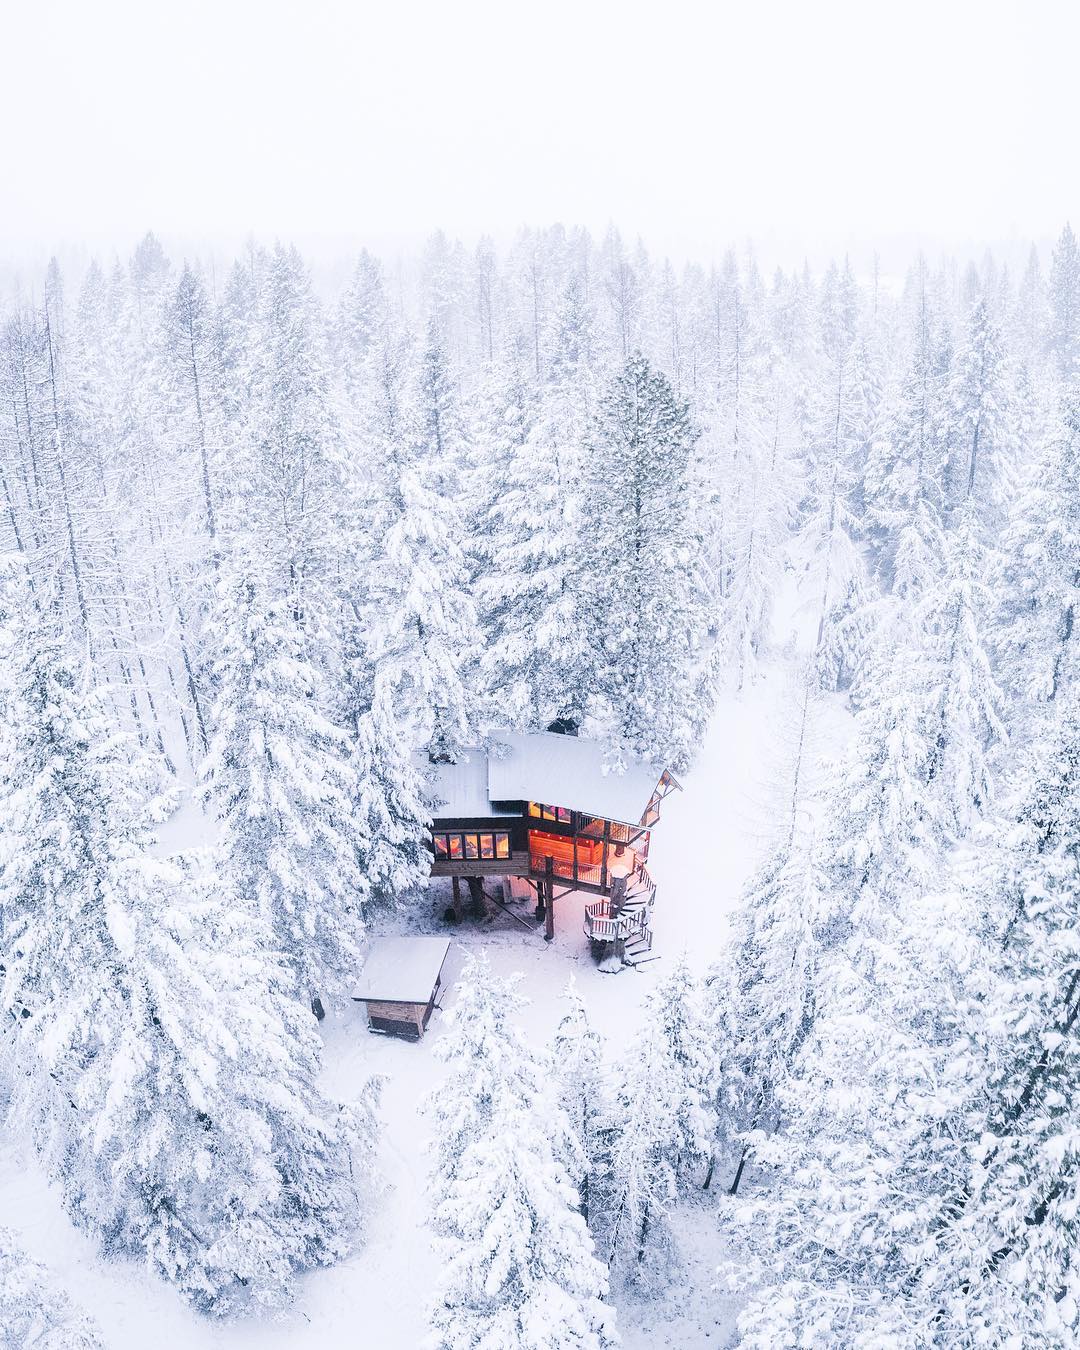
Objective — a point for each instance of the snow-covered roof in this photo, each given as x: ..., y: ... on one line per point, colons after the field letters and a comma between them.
x: 462, y: 788
x: 402, y: 969
x: 543, y: 766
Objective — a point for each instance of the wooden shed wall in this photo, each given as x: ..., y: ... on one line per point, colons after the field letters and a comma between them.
x: 400, y: 1019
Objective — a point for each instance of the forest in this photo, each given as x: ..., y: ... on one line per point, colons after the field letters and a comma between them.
x: 275, y: 540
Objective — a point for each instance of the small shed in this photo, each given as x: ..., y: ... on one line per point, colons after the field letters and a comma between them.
x: 400, y: 982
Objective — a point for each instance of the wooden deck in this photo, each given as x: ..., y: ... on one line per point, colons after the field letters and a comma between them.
x: 592, y: 879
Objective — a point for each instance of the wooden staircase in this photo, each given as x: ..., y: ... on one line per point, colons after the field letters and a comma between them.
x: 623, y: 922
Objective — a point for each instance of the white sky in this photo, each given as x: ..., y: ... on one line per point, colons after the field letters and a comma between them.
x: 693, y: 124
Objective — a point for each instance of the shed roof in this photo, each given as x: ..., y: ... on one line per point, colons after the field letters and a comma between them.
x: 402, y: 969
x: 544, y: 766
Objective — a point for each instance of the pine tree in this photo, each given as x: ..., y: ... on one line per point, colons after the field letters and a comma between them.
x: 520, y: 1270
x: 645, y: 563
x: 422, y: 622
x: 836, y: 568
x: 967, y: 721
x: 34, y: 1311
x: 762, y: 998
x: 583, y: 1094
x: 1040, y: 580
x: 537, y: 663
x: 1064, y: 328
x: 980, y: 418
x: 160, y: 1058
x: 392, y: 818
x: 999, y: 1252
x: 904, y: 475
x: 661, y: 1126
x: 279, y: 779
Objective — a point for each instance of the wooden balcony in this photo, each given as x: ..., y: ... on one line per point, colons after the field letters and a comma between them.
x: 516, y: 865
x: 574, y: 874
x: 603, y: 924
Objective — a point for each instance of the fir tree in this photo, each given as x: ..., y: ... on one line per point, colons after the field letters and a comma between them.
x: 34, y: 1311
x: 645, y: 563
x: 160, y: 1058
x: 661, y: 1126
x: 537, y: 664
x: 1064, y: 327
x: 422, y: 619
x: 392, y: 818
x: 520, y: 1270
x: 279, y: 779
x: 583, y: 1092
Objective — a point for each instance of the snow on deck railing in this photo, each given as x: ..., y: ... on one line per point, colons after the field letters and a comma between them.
x: 564, y: 869
x: 603, y: 926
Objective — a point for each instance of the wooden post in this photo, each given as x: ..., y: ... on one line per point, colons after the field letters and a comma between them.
x: 549, y: 883
x: 603, y: 859
x: 476, y: 895
x: 618, y: 896
x: 541, y: 899
x: 456, y: 885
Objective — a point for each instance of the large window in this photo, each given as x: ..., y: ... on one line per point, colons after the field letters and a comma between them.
x: 545, y: 812
x: 451, y: 846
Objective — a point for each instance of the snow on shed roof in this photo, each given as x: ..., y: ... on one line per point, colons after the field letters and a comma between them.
x: 462, y: 788
x: 544, y: 766
x: 402, y: 969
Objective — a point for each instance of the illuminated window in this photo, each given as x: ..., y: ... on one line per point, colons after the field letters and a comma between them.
x: 453, y: 847
x: 547, y: 812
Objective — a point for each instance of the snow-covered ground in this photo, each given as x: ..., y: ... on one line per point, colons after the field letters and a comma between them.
x: 708, y: 841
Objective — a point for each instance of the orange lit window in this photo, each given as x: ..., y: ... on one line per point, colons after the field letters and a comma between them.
x: 442, y: 848
x: 487, y: 846
x: 472, y: 847
x: 547, y: 812
x: 455, y: 845
x: 502, y: 846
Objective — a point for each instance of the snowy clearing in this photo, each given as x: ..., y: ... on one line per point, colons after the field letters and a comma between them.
x: 727, y: 800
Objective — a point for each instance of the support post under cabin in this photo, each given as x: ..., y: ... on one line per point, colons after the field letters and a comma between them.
x: 549, y: 884
x: 455, y: 883
x: 618, y: 898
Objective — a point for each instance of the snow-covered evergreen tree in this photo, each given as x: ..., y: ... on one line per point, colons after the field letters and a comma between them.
x: 661, y: 1126
x: 160, y: 1058
x: 1064, y: 326
x: 904, y: 475
x: 34, y: 1310
x: 646, y: 605
x: 279, y: 778
x: 391, y: 815
x: 1039, y: 587
x: 980, y: 418
x: 519, y: 1266
x: 423, y: 629
x: 583, y: 1093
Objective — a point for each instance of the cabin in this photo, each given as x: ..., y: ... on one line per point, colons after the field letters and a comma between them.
x: 400, y: 983
x: 545, y: 809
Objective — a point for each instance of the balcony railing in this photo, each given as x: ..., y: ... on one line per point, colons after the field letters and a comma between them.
x: 640, y: 876
x: 619, y: 833
x: 604, y: 926
x: 566, y: 869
